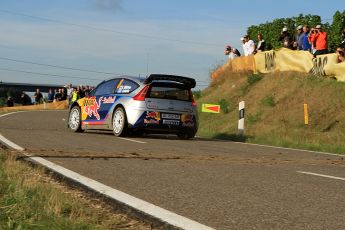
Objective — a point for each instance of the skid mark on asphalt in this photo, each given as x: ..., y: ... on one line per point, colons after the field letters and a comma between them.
x: 322, y: 175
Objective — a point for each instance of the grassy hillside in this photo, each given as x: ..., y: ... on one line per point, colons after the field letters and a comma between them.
x: 274, y: 110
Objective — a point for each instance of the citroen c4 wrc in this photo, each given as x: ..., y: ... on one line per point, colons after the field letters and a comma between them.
x: 157, y: 104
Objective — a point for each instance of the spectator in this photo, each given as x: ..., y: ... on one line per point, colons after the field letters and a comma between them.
x: 299, y: 38
x: 69, y: 91
x: 63, y: 94
x: 51, y: 95
x: 58, y: 95
x: 341, y: 54
x: 87, y: 90
x: 38, y: 97
x: 10, y: 102
x: 228, y: 51
x: 261, y: 44
x: 81, y: 91
x: 319, y: 39
x: 75, y: 95
x: 248, y: 46
x: 305, y: 42
x: 235, y: 51
x: 243, y: 46
x: 286, y: 39
x: 25, y: 99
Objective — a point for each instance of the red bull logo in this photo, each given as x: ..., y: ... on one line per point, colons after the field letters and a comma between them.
x: 152, y: 118
x: 91, y: 107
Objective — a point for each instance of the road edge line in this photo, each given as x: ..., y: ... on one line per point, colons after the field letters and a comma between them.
x: 162, y: 215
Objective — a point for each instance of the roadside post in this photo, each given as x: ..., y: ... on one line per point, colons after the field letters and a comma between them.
x: 306, y: 114
x: 241, y: 118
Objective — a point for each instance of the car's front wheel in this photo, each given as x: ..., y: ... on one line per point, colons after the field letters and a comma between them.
x: 120, y: 122
x: 74, y: 119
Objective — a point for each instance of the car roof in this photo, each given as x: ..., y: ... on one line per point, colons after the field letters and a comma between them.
x: 139, y: 80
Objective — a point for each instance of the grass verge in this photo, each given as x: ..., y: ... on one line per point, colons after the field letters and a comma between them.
x: 31, y: 199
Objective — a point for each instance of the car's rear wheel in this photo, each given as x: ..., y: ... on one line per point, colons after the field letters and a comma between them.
x: 74, y: 119
x: 120, y: 122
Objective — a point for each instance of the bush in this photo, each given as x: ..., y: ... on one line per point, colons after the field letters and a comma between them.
x: 252, y: 79
x: 224, y: 106
x: 269, y: 101
x: 253, y: 118
x: 197, y: 94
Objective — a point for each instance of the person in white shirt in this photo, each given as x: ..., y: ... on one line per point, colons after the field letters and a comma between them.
x: 249, y: 46
x: 244, y: 46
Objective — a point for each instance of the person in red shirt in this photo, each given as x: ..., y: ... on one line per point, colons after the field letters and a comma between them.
x: 319, y: 40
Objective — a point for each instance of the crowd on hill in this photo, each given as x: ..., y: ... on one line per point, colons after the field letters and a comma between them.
x: 313, y: 40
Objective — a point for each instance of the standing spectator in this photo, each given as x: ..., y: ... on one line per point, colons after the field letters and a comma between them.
x: 299, y: 38
x: 236, y: 52
x: 340, y: 55
x: 228, y: 52
x: 319, y: 39
x: 305, y: 42
x: 87, y: 90
x: 25, y: 99
x: 51, y: 95
x: 38, y: 97
x: 10, y: 102
x: 248, y: 46
x: 244, y: 46
x: 261, y: 44
x: 81, y: 91
x: 63, y: 94
x: 58, y: 95
x: 69, y: 91
x: 286, y: 39
x: 75, y: 95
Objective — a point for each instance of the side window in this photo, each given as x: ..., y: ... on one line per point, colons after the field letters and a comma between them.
x: 126, y: 86
x: 107, y: 87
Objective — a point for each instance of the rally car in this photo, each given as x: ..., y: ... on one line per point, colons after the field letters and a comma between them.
x: 159, y: 104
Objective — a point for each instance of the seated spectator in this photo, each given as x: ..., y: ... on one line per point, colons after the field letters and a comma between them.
x: 25, y: 99
x: 286, y: 39
x: 299, y: 38
x: 248, y: 46
x: 51, y: 95
x: 236, y: 52
x: 261, y: 44
x: 340, y: 54
x: 10, y: 102
x: 306, y: 46
x: 228, y: 51
x: 319, y: 39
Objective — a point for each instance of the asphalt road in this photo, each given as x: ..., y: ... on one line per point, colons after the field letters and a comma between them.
x: 221, y: 184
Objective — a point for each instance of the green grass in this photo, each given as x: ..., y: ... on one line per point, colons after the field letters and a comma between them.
x: 274, y: 110
x: 29, y: 199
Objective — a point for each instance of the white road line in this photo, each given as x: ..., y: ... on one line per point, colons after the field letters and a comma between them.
x: 150, y: 209
x: 136, y: 203
x: 277, y: 147
x: 127, y: 139
x: 7, y: 114
x: 322, y: 175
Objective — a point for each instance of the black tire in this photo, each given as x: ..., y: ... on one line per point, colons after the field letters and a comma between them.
x: 186, y: 135
x: 74, y: 120
x: 119, y: 122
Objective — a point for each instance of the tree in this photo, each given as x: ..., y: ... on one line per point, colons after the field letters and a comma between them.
x: 338, y: 24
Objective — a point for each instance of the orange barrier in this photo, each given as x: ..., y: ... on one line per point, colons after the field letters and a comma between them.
x: 47, y: 106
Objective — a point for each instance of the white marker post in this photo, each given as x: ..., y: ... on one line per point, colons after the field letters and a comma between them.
x: 241, y: 118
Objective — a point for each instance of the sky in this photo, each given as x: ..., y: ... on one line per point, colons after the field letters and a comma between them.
x: 49, y: 42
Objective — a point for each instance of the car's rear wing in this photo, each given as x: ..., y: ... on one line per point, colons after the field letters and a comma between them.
x: 188, y: 82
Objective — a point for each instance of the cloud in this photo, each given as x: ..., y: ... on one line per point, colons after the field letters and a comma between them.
x: 107, y: 4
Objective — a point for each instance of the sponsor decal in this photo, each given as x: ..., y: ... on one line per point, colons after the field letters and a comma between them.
x: 187, y: 120
x: 107, y: 100
x: 152, y: 118
x: 91, y: 107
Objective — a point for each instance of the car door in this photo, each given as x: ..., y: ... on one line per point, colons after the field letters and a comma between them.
x: 100, y: 101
